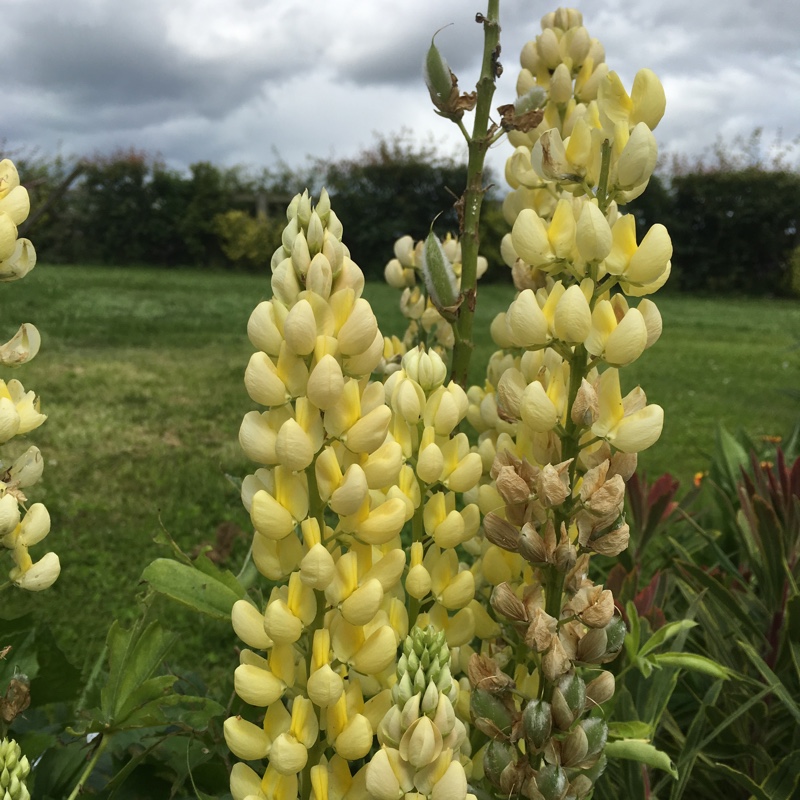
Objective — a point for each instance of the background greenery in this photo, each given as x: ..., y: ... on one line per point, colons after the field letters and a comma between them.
x: 141, y: 374
x: 733, y: 220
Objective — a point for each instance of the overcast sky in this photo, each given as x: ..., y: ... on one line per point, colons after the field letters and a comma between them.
x: 237, y: 81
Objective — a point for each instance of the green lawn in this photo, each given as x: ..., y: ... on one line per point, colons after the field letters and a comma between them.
x: 141, y: 374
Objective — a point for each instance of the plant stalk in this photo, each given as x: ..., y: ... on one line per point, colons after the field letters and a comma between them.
x: 98, y: 751
x: 477, y: 147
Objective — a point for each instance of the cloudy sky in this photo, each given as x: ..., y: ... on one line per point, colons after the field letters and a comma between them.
x: 239, y: 81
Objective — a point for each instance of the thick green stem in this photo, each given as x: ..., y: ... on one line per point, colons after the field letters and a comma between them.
x: 477, y: 145
x: 98, y: 751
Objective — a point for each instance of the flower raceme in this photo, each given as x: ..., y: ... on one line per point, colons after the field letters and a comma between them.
x: 345, y: 464
x: 383, y: 526
x: 19, y: 409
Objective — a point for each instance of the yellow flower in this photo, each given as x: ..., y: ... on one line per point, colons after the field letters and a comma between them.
x: 626, y: 423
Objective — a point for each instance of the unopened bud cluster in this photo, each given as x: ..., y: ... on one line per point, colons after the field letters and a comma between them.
x: 424, y: 745
x: 14, y: 770
x: 21, y: 525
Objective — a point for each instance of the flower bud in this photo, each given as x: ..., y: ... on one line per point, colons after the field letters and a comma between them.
x: 529, y: 237
x: 300, y: 328
x: 244, y: 781
x: 248, y: 623
x: 245, y: 740
x: 41, y: 575
x: 573, y: 317
x: 526, y: 323
x: 358, y: 331
x: 537, y: 409
x: 593, y: 234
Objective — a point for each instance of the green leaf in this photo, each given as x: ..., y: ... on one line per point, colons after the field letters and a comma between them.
x: 729, y: 458
x: 57, y: 680
x: 210, y: 594
x: 151, y: 690
x: 778, y: 688
x: 664, y: 634
x: 693, y: 663
x: 224, y: 576
x: 690, y: 751
x: 746, y: 782
x: 133, y: 657
x: 641, y: 751
x: 782, y: 782
x: 633, y: 729
x: 722, y: 595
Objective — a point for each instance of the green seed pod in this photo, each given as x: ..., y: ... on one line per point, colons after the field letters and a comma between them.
x: 596, y: 730
x: 593, y: 646
x: 537, y: 719
x: 440, y: 280
x: 600, y: 690
x: 497, y: 757
x: 574, y: 690
x: 574, y: 748
x: 441, y: 83
x: 484, y: 705
x: 580, y: 786
x: 615, y: 631
x: 551, y: 781
x: 593, y: 773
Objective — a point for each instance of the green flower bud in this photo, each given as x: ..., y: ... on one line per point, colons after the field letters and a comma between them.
x: 14, y: 769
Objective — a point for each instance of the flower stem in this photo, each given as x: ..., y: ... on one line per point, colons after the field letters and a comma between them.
x: 98, y: 751
x: 477, y: 147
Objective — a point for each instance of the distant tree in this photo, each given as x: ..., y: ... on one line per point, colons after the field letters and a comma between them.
x: 735, y: 217
x: 112, y: 208
x: 395, y: 188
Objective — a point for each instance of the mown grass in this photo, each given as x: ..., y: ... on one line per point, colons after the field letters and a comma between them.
x: 141, y: 376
